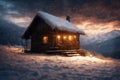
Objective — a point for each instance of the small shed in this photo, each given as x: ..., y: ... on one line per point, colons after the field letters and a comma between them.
x: 48, y: 32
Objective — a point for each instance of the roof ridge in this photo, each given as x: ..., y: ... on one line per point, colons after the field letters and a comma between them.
x: 59, y: 23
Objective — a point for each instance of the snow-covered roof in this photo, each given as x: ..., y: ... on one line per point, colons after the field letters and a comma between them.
x: 59, y: 23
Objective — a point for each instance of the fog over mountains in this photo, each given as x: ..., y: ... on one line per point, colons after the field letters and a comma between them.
x: 91, y: 39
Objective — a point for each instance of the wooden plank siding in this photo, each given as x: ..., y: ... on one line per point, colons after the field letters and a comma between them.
x: 39, y: 28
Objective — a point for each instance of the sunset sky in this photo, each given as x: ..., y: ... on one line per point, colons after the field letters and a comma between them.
x: 93, y: 16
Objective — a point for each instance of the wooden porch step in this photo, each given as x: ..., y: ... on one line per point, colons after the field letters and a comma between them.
x: 64, y: 52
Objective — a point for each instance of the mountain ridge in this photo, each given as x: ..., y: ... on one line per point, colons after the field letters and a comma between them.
x: 10, y: 34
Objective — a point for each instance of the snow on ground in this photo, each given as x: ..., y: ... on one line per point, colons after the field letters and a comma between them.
x: 15, y: 66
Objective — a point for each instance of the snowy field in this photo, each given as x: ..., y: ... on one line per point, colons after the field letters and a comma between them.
x: 16, y: 66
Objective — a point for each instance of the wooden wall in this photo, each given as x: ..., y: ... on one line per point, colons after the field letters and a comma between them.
x: 42, y: 29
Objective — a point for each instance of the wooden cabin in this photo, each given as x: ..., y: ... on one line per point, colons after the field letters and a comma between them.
x: 48, y: 32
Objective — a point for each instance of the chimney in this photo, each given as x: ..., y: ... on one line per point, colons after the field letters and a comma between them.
x: 68, y: 18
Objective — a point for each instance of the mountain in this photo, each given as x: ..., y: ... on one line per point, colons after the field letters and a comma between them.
x: 94, y: 39
x: 110, y: 35
x: 109, y: 48
x: 107, y: 44
x: 10, y: 34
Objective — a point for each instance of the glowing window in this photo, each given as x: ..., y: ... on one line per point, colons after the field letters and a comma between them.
x: 58, y: 37
x: 64, y: 37
x: 75, y: 36
x: 70, y: 38
x: 45, y: 39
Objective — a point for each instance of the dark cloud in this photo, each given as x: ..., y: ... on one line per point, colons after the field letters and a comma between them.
x: 79, y: 10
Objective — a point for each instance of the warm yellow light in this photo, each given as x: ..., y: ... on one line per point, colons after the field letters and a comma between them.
x: 70, y: 38
x: 45, y: 39
x: 92, y: 59
x: 64, y: 37
x: 75, y: 36
x: 58, y: 37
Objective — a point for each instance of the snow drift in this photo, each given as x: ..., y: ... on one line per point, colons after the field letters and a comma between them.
x: 15, y: 66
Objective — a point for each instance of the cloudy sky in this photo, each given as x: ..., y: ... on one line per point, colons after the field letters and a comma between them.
x: 93, y: 16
